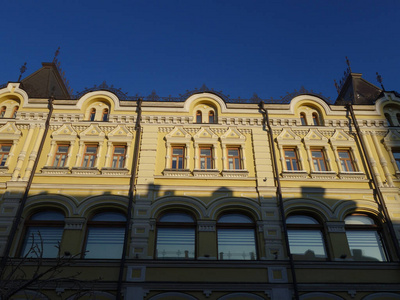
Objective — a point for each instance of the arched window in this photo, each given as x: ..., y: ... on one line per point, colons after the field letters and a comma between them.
x: 303, y: 119
x: 92, y: 114
x: 43, y: 228
x: 105, y: 235
x: 211, y: 117
x: 176, y: 236
x: 3, y: 111
x: 306, y: 239
x: 14, y: 114
x: 236, y: 237
x: 105, y: 115
x: 389, y: 119
x: 199, y: 117
x: 315, y: 119
x: 364, y: 238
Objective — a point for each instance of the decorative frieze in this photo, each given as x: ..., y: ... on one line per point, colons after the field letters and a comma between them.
x: 74, y: 223
x: 335, y: 226
x: 206, y: 225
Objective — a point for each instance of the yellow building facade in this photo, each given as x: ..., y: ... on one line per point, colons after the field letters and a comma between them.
x: 198, y: 197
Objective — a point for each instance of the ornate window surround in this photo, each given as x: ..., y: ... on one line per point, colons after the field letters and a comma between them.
x: 64, y: 135
x: 315, y: 140
x: 233, y: 138
x: 391, y: 141
x: 9, y: 134
x: 178, y: 136
x: 287, y: 138
x: 120, y: 136
x: 205, y: 137
x: 341, y: 140
x: 92, y: 135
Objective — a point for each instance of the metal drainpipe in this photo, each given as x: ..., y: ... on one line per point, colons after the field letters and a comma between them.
x: 21, y: 207
x: 380, y: 198
x: 132, y: 187
x: 280, y: 200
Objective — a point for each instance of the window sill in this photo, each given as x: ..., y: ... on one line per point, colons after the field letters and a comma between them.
x: 176, y: 173
x: 352, y: 175
x: 114, y: 171
x: 85, y: 171
x: 55, y: 170
x: 235, y: 173
x: 294, y: 174
x: 206, y: 173
x: 323, y: 175
x: 397, y: 175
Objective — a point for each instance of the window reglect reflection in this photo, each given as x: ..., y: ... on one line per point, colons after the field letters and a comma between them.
x: 364, y: 240
x: 176, y: 236
x: 105, y: 242
x: 49, y: 234
x: 306, y: 240
x: 236, y: 238
x: 105, y: 236
x: 175, y: 243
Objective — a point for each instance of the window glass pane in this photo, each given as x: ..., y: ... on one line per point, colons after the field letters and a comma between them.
x: 177, y: 217
x: 301, y: 220
x: 175, y: 243
x: 235, y: 218
x: 309, y: 243
x: 344, y: 154
x: 233, y: 152
x: 109, y: 217
x: 119, y: 150
x: 47, y: 216
x: 359, y: 220
x: 49, y: 236
x: 236, y: 243
x: 303, y: 119
x: 5, y: 148
x: 105, y: 242
x: 365, y: 245
x: 91, y: 149
x: 211, y: 117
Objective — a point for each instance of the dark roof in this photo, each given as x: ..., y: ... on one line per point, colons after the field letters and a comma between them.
x: 46, y: 82
x: 357, y: 90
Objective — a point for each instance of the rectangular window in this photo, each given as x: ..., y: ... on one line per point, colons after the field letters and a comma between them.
x: 236, y: 243
x: 318, y: 158
x: 176, y: 243
x: 103, y: 242
x: 345, y: 161
x: 4, y: 153
x: 61, y: 156
x: 206, y: 158
x: 178, y: 158
x: 45, y: 238
x: 396, y: 155
x: 291, y: 160
x: 118, y: 160
x: 234, y: 161
x: 89, y: 157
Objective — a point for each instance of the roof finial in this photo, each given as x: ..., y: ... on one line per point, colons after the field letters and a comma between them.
x: 56, y: 54
x: 348, y: 63
x: 337, y: 86
x: 379, y: 79
x: 22, y: 70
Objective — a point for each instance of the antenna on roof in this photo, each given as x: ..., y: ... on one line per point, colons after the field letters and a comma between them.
x: 22, y: 70
x: 379, y: 79
x: 56, y: 54
x: 348, y: 63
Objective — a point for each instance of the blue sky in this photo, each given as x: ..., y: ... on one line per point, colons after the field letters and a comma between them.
x: 237, y: 47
